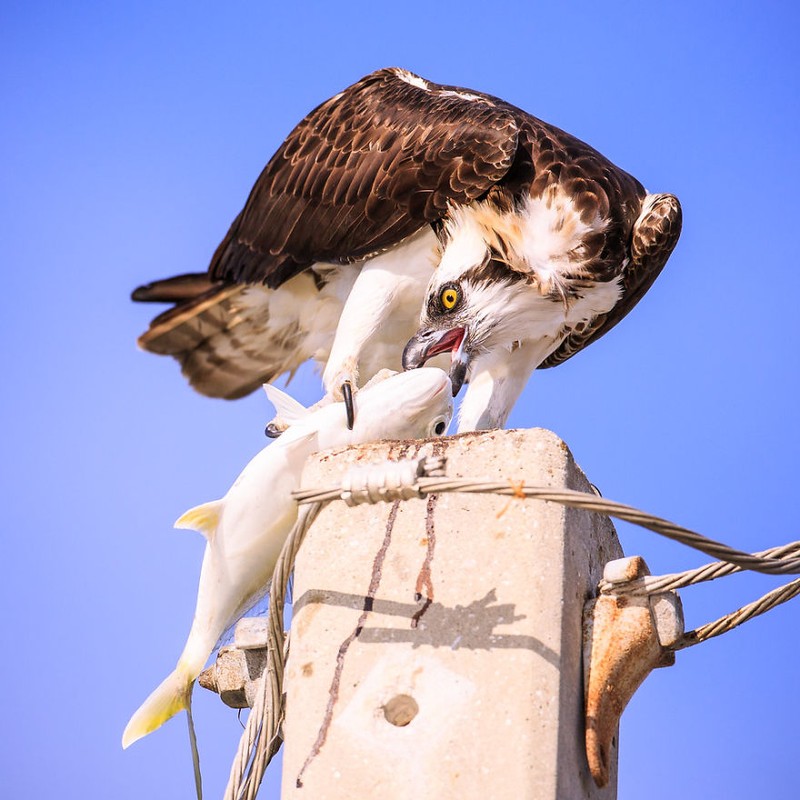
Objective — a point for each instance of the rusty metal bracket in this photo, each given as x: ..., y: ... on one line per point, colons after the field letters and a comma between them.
x: 235, y: 674
x: 625, y: 637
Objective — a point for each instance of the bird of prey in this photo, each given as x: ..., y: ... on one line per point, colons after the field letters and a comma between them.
x: 405, y: 219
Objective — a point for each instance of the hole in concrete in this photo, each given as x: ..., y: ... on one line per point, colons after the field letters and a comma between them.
x: 400, y: 710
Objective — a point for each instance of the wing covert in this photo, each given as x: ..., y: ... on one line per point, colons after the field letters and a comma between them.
x: 364, y: 170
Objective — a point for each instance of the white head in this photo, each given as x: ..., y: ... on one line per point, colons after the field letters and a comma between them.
x: 408, y: 405
x: 510, y: 272
x: 473, y: 301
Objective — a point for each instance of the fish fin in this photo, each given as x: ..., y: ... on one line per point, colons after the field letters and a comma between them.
x: 289, y: 409
x: 171, y: 696
x: 300, y: 435
x: 203, y: 519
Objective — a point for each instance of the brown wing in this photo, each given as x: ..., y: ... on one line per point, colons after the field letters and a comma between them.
x: 364, y: 170
x: 653, y: 239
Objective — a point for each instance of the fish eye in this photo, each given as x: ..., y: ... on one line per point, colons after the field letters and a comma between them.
x: 449, y: 297
x: 438, y: 426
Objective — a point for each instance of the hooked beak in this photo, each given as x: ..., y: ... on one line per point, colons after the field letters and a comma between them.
x: 427, y: 343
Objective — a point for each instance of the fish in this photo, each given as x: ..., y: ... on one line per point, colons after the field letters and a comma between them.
x: 245, y: 530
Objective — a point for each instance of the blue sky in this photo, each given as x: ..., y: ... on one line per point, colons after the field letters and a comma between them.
x: 131, y: 135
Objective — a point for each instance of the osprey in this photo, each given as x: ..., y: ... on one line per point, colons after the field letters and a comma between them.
x: 402, y: 219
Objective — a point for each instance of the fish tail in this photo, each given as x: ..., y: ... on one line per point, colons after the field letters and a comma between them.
x: 172, y: 695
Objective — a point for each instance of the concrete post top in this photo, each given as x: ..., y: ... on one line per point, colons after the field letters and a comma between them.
x: 536, y: 455
x: 436, y: 643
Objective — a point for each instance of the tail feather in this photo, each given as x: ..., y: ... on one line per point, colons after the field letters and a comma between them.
x: 179, y: 289
x: 230, y: 339
x: 189, y: 323
x: 172, y: 695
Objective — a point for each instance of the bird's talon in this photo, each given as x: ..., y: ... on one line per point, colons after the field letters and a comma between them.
x: 272, y: 431
x: 347, y: 396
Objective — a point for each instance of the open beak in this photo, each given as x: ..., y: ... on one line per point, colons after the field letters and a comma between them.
x: 427, y: 343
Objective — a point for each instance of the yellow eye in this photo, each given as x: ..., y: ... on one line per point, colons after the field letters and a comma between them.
x: 449, y: 298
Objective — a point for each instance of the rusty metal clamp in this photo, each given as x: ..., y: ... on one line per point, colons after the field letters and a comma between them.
x: 625, y: 637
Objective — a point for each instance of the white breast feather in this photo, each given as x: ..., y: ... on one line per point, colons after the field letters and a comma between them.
x: 552, y: 236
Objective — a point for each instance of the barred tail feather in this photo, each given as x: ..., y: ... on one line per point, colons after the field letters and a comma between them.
x: 229, y: 340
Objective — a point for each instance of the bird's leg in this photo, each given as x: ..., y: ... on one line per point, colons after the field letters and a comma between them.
x: 496, y: 381
x: 343, y: 385
x: 357, y: 324
x: 379, y: 377
x: 368, y: 304
x: 387, y: 283
x: 347, y: 393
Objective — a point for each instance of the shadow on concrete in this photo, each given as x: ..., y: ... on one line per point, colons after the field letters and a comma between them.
x: 471, y: 626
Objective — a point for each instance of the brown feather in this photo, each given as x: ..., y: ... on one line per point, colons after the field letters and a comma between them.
x: 392, y: 179
x: 178, y: 289
x: 654, y: 238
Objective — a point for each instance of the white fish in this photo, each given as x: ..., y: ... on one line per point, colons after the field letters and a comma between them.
x: 246, y: 529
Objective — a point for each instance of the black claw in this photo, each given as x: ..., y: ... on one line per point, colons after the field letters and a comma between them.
x: 347, y: 395
x: 272, y: 431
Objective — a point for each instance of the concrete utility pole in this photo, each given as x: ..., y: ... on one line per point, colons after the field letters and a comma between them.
x: 436, y: 644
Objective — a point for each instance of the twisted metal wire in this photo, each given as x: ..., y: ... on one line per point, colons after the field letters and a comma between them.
x: 261, y: 737
x: 590, y: 502
x: 730, y: 621
x: 651, y: 584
